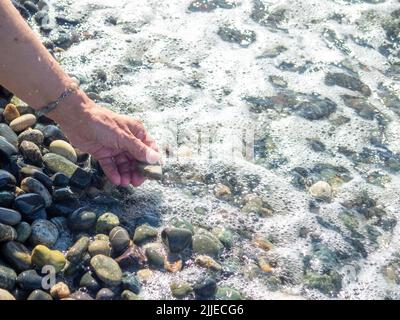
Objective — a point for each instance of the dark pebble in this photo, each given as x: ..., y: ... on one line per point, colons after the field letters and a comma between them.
x: 39, y: 295
x: 89, y: 282
x: 29, y: 280
x: 205, y: 288
x: 31, y: 206
x: 7, y: 181
x: 105, y: 294
x: 60, y: 180
x: 82, y: 219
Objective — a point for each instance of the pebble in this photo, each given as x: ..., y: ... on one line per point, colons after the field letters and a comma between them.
x: 155, y: 256
x: 133, y: 256
x: 206, y: 244
x: 60, y: 291
x: 208, y: 262
x: 107, y: 270
x: 6, y: 199
x: 144, y: 274
x: 131, y: 282
x: 31, y: 152
x: 51, y: 133
x: 7, y: 181
x: 7, y: 133
x: 77, y: 251
x: 60, y: 179
x: 8, y: 278
x: 99, y: 247
x: 7, y: 148
x: 33, y: 172
x: 82, y: 219
x: 173, y: 263
x: 144, y: 232
x: 42, y: 256
x: 17, y: 255
x: 180, y: 289
x: 39, y: 295
x: 176, y: 239
x: 205, y: 287
x: 31, y: 185
x: 80, y: 295
x: 24, y: 231
x: 227, y: 293
x: 105, y: 294
x: 43, y: 232
x: 129, y: 295
x: 5, y: 295
x: 23, y: 122
x: 150, y: 171
x: 321, y: 190
x: 89, y: 282
x: 348, y: 82
x: 29, y: 280
x: 10, y: 112
x: 119, y: 239
x: 31, y: 206
x: 64, y: 149
x: 32, y: 135
x: 7, y: 233
x: 78, y: 177
x: 106, y: 222
x: 9, y: 216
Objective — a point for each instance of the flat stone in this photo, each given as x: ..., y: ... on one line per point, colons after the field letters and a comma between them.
x: 106, y: 222
x: 99, y: 247
x: 150, y: 171
x: 144, y: 232
x: 9, y: 216
x: 107, y: 270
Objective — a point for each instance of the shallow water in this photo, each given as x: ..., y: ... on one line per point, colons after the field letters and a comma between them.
x: 206, y: 76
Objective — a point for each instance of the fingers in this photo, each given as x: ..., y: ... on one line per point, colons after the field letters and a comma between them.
x: 110, y: 170
x: 137, y: 179
x: 139, y: 150
x: 138, y: 130
x: 124, y: 168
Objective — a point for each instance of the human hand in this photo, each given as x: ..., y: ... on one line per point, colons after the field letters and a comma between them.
x: 118, y: 142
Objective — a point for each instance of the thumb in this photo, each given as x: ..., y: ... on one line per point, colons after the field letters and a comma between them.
x: 140, y: 151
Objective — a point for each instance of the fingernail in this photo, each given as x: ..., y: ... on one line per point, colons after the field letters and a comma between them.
x: 152, y: 156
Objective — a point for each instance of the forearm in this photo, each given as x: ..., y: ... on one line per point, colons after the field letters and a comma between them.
x: 26, y: 67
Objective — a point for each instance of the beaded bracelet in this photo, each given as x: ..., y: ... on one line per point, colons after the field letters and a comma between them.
x: 52, y: 105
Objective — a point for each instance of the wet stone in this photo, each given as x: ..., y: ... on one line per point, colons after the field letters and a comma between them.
x: 77, y: 251
x: 119, y: 239
x: 244, y: 38
x: 7, y: 233
x: 133, y: 256
x: 204, y: 244
x: 99, y: 247
x: 210, y: 5
x: 180, y: 289
x: 31, y: 206
x: 82, y: 219
x: 176, y: 239
x: 5, y: 295
x: 29, y: 280
x: 8, y: 278
x: 7, y: 133
x: 107, y: 270
x: 9, y: 216
x: 205, y: 287
x: 261, y: 15
x: 42, y: 256
x: 7, y: 181
x: 43, y: 232
x: 24, y: 231
x: 314, y: 107
x: 105, y: 294
x: 60, y: 180
x: 227, y: 293
x: 39, y: 295
x: 144, y: 232
x: 131, y: 282
x: 60, y: 291
x: 30, y: 171
x: 31, y: 185
x: 17, y: 255
x: 348, y: 82
x: 7, y: 148
x: 51, y: 133
x: 106, y: 222
x: 89, y: 282
x: 364, y: 109
x: 32, y: 135
x: 6, y: 199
